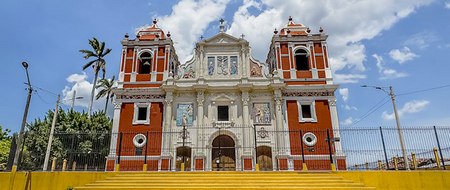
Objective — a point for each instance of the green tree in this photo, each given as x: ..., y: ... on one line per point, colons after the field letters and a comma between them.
x: 5, y: 145
x: 106, y: 90
x: 98, y: 63
x: 77, y: 137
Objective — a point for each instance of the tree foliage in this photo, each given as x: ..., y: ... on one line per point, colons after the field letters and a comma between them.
x: 106, y: 87
x: 5, y: 144
x: 76, y: 134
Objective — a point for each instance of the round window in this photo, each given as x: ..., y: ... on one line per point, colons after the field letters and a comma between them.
x: 139, y: 140
x: 309, y: 139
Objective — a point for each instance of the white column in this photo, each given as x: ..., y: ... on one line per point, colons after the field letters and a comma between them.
x: 335, y: 126
x: 279, y: 122
x: 167, y: 128
x: 200, y: 100
x: 246, y: 124
x: 115, y: 129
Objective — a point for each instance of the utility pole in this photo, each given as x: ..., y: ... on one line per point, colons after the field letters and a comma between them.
x: 50, y: 138
x: 24, y: 120
x: 399, y: 129
x: 397, y: 119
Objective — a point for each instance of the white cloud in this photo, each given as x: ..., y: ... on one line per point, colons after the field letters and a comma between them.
x: 188, y: 21
x: 421, y: 40
x: 386, y: 73
x: 348, y: 121
x: 402, y: 55
x: 348, y: 78
x: 344, y: 93
x: 413, y: 106
x: 447, y: 5
x: 346, y: 32
x: 83, y: 88
x: 349, y: 107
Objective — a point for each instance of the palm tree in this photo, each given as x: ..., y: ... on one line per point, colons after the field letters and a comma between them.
x: 98, y: 63
x: 107, y: 87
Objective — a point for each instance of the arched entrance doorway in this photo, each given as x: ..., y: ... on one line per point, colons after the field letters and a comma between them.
x: 183, y: 155
x: 223, y: 154
x: 264, y: 157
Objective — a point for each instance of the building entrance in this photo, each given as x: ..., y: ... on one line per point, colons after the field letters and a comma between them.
x: 223, y: 154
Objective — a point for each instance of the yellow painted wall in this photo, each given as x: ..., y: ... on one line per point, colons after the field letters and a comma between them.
x: 382, y: 180
x: 51, y: 180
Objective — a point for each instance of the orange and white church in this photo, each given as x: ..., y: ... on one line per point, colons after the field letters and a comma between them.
x: 223, y: 109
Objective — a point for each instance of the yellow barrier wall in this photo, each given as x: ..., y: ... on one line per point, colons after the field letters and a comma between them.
x: 382, y: 180
x: 400, y: 180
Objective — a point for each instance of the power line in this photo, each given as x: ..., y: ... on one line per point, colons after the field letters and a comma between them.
x: 374, y: 108
x: 424, y: 90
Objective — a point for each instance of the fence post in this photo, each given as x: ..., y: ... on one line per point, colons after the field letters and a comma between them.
x: 414, y: 161
x: 256, y: 150
x: 380, y: 165
x: 436, y: 157
x: 74, y: 165
x: 396, y: 163
x: 304, y: 166
x: 53, y: 164
x: 439, y: 146
x: 64, y: 165
x: 333, y: 167
x: 144, y: 168
x: 384, y: 149
x: 120, y: 150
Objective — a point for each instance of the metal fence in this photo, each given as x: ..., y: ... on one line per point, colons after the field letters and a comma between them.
x: 356, y: 149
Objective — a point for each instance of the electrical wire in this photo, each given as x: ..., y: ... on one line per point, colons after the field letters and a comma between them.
x: 374, y: 108
x: 423, y: 90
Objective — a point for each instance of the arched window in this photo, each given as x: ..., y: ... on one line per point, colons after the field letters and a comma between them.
x: 301, y: 60
x: 145, y: 63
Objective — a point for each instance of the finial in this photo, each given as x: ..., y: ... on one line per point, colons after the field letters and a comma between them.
x: 275, y: 31
x: 126, y: 35
x: 321, y: 30
x: 222, y: 25
x: 242, y: 36
x: 155, y: 21
x: 290, y: 18
x: 201, y: 37
x: 138, y: 35
x: 308, y: 30
x: 168, y: 34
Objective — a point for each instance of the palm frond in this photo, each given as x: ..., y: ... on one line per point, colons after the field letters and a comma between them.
x: 101, y: 48
x: 89, y: 64
x: 102, y: 93
x: 106, y: 52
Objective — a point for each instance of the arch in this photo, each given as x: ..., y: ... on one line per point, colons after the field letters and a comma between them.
x: 145, y: 61
x: 223, y: 154
x: 264, y: 158
x: 183, y: 154
x: 301, y: 58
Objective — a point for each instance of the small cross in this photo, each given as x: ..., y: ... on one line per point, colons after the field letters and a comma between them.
x: 242, y: 36
x: 201, y: 37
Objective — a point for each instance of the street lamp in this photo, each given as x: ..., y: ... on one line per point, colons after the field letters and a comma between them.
x: 74, y: 97
x: 399, y: 129
x: 24, y: 119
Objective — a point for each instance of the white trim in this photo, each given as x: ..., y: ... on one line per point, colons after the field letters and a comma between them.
x: 312, y: 106
x: 136, y: 113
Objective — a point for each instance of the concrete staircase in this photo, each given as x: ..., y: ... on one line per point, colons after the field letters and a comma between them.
x: 225, y: 180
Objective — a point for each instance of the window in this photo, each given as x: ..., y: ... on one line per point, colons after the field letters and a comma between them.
x: 222, y: 113
x: 141, y: 113
x: 145, y: 63
x: 301, y: 60
x: 306, y: 110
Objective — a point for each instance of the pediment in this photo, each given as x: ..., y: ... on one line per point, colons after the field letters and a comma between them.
x: 222, y: 98
x: 223, y: 38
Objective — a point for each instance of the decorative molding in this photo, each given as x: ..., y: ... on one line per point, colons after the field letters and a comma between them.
x: 295, y: 94
x: 142, y: 96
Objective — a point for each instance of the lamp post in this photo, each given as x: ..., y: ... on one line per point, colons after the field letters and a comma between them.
x: 74, y: 97
x: 24, y: 119
x: 399, y: 129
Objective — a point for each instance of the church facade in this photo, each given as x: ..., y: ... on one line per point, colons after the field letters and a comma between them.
x: 223, y: 109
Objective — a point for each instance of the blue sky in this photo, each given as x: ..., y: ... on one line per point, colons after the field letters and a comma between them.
x: 400, y: 43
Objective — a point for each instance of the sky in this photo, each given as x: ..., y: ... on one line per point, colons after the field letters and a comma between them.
x: 399, y: 43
